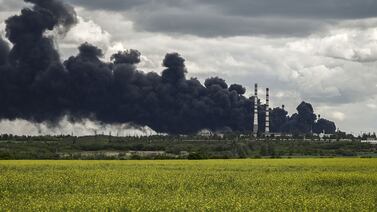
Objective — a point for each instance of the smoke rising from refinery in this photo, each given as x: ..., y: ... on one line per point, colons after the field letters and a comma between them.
x: 36, y: 86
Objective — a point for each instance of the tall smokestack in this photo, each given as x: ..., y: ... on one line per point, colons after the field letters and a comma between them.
x: 267, y: 111
x: 255, y: 128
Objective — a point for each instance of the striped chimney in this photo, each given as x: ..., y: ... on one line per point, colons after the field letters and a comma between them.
x: 267, y: 111
x: 255, y: 126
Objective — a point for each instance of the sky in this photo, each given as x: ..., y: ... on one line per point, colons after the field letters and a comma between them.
x: 323, y: 52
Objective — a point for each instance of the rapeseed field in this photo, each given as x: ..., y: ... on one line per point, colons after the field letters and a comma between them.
x: 339, y: 184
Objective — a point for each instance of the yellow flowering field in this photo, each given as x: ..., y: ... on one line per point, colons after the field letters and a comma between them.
x: 339, y: 184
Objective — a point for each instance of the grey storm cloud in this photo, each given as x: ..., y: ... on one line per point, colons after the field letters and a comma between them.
x: 210, y: 18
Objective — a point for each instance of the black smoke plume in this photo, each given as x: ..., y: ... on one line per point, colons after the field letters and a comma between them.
x: 278, y: 118
x: 215, y: 81
x: 127, y: 57
x: 4, y: 52
x: 324, y: 126
x: 237, y: 88
x: 304, y: 121
x: 36, y: 86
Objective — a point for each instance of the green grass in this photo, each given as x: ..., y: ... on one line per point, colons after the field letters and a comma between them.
x: 213, y: 185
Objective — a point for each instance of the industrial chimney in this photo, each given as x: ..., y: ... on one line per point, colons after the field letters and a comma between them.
x: 267, y: 130
x: 255, y: 126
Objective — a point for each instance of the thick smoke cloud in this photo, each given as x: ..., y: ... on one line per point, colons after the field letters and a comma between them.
x: 36, y: 86
x: 176, y: 69
x: 304, y: 121
x: 33, y: 81
x: 278, y: 118
x: 215, y: 81
x: 64, y: 16
x: 237, y: 88
x: 128, y: 57
x: 324, y: 126
x: 4, y: 52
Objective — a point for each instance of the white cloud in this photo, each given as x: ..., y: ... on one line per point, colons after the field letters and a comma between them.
x: 339, y: 116
x: 84, y: 31
x: 353, y: 44
x: 88, y: 31
x: 372, y: 106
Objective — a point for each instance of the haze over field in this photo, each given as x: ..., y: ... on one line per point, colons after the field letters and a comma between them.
x: 324, y: 53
